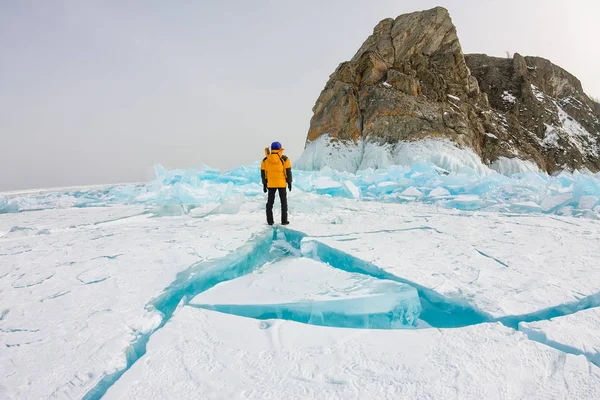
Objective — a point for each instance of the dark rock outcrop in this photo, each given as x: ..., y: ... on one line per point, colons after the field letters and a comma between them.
x: 546, y: 111
x: 410, y: 80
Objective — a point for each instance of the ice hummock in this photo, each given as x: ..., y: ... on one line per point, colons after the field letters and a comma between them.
x: 308, y: 291
x: 411, y: 172
x: 7, y: 206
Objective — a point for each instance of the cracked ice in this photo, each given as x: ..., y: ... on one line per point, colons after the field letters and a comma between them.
x: 348, y: 302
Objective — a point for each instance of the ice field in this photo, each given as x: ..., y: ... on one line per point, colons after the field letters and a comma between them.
x: 428, y: 281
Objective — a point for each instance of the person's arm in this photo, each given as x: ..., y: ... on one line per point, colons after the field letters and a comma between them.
x: 288, y: 172
x: 263, y: 176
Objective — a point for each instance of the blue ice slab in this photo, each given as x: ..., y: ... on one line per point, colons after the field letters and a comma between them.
x: 311, y: 292
x: 7, y: 206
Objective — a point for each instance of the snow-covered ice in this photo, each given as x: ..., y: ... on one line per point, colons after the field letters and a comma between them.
x: 204, y: 354
x: 502, y: 265
x: 96, y: 285
x: 74, y: 300
x: 577, y: 333
x: 306, y: 290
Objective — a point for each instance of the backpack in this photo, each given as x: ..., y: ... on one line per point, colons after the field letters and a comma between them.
x: 283, y: 159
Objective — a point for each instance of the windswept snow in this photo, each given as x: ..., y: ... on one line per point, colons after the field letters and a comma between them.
x: 204, y: 354
x: 74, y: 300
x: 577, y: 333
x: 492, y: 262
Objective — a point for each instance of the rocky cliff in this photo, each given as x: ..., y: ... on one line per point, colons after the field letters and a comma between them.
x: 410, y: 80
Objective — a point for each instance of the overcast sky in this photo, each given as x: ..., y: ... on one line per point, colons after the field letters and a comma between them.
x: 98, y: 91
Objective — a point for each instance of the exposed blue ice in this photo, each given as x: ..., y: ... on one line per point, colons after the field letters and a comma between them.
x: 7, y: 206
x: 573, y: 194
x: 312, y: 292
x: 338, y: 313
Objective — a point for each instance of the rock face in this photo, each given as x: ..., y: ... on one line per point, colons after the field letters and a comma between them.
x: 546, y: 115
x: 410, y: 80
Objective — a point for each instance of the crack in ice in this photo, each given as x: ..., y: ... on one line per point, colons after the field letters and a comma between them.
x: 198, y: 277
x: 418, y: 228
x: 438, y: 310
x: 492, y: 258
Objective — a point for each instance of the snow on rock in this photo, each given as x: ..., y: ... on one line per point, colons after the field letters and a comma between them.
x: 551, y: 137
x: 205, y: 354
x: 570, y: 131
x: 539, y: 95
x: 584, y: 141
x: 310, y: 291
x: 506, y: 96
x: 578, y: 333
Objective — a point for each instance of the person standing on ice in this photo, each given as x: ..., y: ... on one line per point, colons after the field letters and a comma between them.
x: 276, y: 174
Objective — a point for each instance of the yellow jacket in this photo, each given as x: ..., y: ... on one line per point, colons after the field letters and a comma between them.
x: 276, y: 169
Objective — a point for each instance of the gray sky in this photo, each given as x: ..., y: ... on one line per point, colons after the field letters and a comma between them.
x: 97, y: 92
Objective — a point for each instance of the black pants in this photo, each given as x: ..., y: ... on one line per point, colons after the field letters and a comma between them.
x: 271, y: 201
